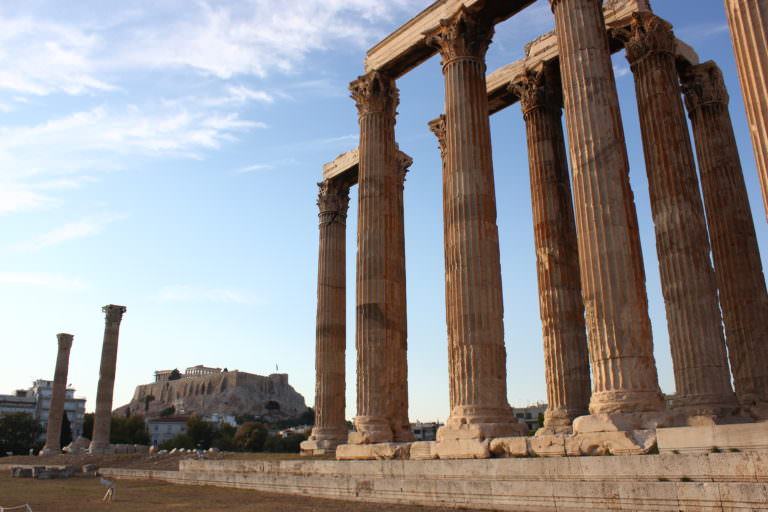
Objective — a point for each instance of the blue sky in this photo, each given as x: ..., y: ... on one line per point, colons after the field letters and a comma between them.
x: 164, y: 155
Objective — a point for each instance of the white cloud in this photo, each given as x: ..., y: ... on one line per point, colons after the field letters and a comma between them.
x: 202, y: 294
x: 43, y: 279
x: 70, y: 231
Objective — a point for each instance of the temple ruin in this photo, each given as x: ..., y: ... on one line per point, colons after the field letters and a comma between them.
x: 590, y: 269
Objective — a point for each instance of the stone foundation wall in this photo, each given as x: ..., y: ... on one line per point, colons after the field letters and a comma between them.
x: 702, y: 482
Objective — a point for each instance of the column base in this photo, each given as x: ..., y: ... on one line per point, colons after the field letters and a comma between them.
x: 370, y: 431
x: 706, y: 405
x: 323, y: 440
x: 49, y: 451
x: 625, y: 422
x: 473, y: 440
x: 626, y: 402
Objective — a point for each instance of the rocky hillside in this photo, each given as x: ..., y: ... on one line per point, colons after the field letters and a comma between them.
x: 236, y: 393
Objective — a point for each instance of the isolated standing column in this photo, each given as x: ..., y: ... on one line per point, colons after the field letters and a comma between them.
x: 381, y: 313
x: 103, y: 416
x: 474, y: 307
x: 738, y: 268
x: 58, y: 397
x: 624, y: 376
x: 557, y: 256
x: 330, y: 338
x: 702, y: 378
x: 748, y: 20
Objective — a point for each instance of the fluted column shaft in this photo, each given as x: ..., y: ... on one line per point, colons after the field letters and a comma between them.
x: 624, y: 376
x: 58, y: 396
x: 702, y: 378
x: 103, y: 415
x: 748, y: 20
x: 557, y: 258
x: 330, y: 335
x: 474, y: 308
x: 381, y: 313
x: 738, y: 268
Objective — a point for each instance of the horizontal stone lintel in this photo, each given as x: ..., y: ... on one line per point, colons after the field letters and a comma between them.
x: 346, y: 165
x: 405, y: 48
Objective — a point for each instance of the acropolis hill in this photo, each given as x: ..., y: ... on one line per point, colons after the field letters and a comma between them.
x: 206, y: 391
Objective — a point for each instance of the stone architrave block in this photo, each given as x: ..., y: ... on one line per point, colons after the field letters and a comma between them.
x: 634, y: 442
x: 378, y: 451
x: 464, y: 449
x: 547, y: 446
x: 509, y: 447
x: 423, y: 450
x: 702, y: 439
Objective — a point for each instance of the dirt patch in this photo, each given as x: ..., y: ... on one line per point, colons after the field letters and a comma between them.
x: 84, y: 493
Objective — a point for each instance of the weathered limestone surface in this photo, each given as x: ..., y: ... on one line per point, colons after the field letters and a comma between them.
x: 330, y: 337
x: 738, y: 268
x: 406, y: 48
x: 748, y: 20
x: 557, y: 259
x: 474, y: 309
x: 58, y: 396
x: 381, y: 313
x: 702, y: 378
x: 613, y: 279
x: 103, y: 414
x: 660, y: 483
x: 704, y: 439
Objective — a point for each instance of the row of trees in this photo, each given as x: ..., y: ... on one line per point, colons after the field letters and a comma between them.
x: 251, y: 436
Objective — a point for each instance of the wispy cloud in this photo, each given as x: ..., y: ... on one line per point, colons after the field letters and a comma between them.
x: 203, y: 294
x: 265, y: 166
x: 621, y: 71
x: 43, y: 279
x: 70, y: 231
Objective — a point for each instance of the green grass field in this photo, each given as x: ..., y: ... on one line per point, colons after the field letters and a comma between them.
x: 84, y: 494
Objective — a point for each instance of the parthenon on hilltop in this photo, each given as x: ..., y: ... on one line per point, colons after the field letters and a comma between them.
x: 590, y: 269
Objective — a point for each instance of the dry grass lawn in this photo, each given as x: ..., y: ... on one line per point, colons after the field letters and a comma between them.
x: 83, y: 494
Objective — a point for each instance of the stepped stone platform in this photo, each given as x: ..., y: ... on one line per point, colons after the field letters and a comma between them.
x: 667, y: 482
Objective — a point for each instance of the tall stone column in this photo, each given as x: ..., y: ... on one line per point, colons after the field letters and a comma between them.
x: 401, y: 426
x: 103, y: 416
x: 381, y: 313
x: 748, y: 20
x: 474, y: 308
x: 330, y: 337
x: 702, y: 378
x: 738, y: 269
x: 557, y: 257
x: 58, y: 397
x: 624, y: 379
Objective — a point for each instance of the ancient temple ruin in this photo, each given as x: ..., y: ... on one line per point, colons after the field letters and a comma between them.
x: 590, y: 269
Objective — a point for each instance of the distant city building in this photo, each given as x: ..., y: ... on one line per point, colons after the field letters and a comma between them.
x: 425, y: 431
x: 163, y: 429
x: 530, y: 415
x: 37, y: 402
x: 220, y: 419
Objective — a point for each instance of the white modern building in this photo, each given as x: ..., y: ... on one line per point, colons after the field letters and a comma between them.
x: 164, y: 429
x: 37, y: 402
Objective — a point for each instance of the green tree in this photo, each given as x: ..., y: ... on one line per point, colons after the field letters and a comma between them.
x: 168, y: 411
x: 66, y: 431
x: 200, y: 431
x: 287, y: 444
x: 88, y: 425
x: 175, y: 374
x: 224, y: 438
x: 147, y: 399
x: 178, y: 441
x: 19, y: 432
x: 130, y: 430
x: 250, y: 437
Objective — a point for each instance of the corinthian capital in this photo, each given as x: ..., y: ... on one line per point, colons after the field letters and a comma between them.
x: 375, y: 92
x: 647, y: 34
x: 538, y: 89
x: 332, y: 200
x: 463, y: 35
x: 703, y: 85
x: 114, y: 314
x: 438, y: 128
x: 65, y: 340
